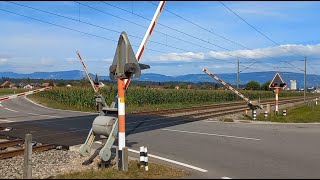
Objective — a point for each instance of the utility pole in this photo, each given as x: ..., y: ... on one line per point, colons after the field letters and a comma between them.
x: 238, y: 74
x: 305, y: 78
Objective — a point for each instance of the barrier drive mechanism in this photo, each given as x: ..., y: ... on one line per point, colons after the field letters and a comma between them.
x: 124, y: 66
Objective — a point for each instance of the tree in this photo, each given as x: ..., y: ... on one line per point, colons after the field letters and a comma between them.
x: 252, y: 85
x: 265, y: 86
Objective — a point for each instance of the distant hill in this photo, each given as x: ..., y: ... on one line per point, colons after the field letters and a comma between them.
x: 261, y: 77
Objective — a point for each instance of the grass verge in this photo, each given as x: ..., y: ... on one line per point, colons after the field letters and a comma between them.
x: 156, y: 171
x: 296, y: 114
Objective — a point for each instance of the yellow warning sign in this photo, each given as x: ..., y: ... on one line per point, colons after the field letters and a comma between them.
x: 122, y: 100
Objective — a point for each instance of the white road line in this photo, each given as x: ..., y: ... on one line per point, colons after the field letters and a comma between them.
x: 172, y: 161
x: 221, y: 135
x: 44, y: 115
x: 1, y: 105
x: 225, y: 177
x: 10, y: 110
x: 213, y: 121
x: 57, y: 109
x: 6, y: 120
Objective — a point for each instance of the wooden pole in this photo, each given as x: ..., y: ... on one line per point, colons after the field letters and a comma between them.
x: 27, y: 171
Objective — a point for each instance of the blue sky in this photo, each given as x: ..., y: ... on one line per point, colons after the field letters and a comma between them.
x: 29, y: 45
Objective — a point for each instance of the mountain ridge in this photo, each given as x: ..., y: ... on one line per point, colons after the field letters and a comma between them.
x: 261, y: 77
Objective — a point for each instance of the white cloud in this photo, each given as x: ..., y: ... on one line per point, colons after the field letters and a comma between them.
x: 184, y: 57
x: 3, y: 60
x: 277, y: 51
x: 72, y: 59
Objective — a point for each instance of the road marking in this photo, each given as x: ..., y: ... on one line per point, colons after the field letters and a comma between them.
x: 211, y: 121
x: 163, y: 159
x: 6, y: 120
x: 221, y: 135
x: 1, y: 105
x: 44, y: 115
x: 225, y: 177
x: 172, y: 161
x: 10, y: 110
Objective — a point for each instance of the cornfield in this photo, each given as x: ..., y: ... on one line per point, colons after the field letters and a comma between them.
x: 83, y: 97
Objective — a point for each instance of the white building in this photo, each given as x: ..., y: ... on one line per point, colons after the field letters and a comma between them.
x: 293, y: 84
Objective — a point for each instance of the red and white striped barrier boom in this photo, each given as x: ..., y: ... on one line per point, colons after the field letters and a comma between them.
x: 147, y: 36
x: 24, y: 94
x: 87, y: 72
x: 228, y: 86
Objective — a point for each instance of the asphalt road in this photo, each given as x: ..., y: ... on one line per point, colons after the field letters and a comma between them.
x: 229, y: 150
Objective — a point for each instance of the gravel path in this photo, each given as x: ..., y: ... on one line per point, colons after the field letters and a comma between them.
x: 45, y: 164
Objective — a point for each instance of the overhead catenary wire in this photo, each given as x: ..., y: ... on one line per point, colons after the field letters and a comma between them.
x: 71, y: 29
x: 210, y: 31
x: 91, y: 24
x: 257, y: 29
x: 154, y: 30
x: 176, y: 30
x: 36, y: 19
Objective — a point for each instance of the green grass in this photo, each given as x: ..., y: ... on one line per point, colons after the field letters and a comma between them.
x: 156, y: 171
x: 296, y: 114
x: 6, y: 91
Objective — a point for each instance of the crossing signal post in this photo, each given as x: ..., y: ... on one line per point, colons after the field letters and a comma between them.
x: 277, y: 83
x: 124, y: 66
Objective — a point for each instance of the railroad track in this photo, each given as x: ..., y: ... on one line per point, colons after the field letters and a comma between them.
x: 215, y: 106
x: 19, y: 145
x: 235, y: 108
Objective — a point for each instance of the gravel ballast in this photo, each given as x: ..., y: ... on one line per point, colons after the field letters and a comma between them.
x: 45, y: 164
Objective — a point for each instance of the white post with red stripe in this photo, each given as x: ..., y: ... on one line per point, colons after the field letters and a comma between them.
x: 87, y: 72
x: 24, y: 94
x: 147, y: 35
x: 277, y: 99
x: 122, y: 123
x: 228, y: 86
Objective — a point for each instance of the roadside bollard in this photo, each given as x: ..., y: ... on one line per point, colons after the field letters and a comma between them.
x: 284, y: 112
x: 144, y: 158
x: 316, y: 101
x: 254, y: 114
x: 141, y: 156
x: 265, y: 114
x: 146, y: 167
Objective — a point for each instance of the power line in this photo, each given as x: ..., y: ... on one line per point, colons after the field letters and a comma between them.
x: 146, y: 27
x: 177, y: 30
x: 97, y: 36
x: 215, y: 33
x: 86, y: 32
x: 257, y: 29
x: 311, y: 67
x: 94, y: 25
